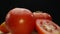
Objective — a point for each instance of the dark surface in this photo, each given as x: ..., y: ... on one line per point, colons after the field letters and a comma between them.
x: 51, y: 7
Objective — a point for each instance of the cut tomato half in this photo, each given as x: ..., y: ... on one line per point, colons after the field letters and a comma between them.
x: 47, y: 27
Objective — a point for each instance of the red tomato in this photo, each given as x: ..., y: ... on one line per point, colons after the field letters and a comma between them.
x: 3, y: 28
x: 41, y: 15
x: 20, y: 21
x: 47, y: 27
x: 0, y: 28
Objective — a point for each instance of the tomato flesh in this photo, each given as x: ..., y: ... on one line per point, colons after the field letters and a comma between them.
x: 47, y: 27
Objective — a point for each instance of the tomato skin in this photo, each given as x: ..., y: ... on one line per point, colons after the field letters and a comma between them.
x: 43, y: 31
x: 20, y: 21
x: 42, y: 15
x: 3, y: 28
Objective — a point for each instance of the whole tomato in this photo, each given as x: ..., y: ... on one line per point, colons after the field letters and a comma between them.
x: 20, y: 21
x: 3, y: 28
x: 47, y: 27
x: 42, y: 15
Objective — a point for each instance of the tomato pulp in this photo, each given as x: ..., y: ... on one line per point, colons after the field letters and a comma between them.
x: 47, y: 27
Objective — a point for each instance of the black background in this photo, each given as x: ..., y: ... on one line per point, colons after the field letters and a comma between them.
x: 49, y: 6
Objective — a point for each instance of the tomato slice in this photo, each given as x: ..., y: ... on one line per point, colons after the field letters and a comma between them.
x: 20, y: 21
x: 42, y: 15
x: 3, y: 28
x: 47, y: 27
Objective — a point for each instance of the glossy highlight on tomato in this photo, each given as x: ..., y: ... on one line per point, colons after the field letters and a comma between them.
x: 20, y: 21
x: 44, y: 26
